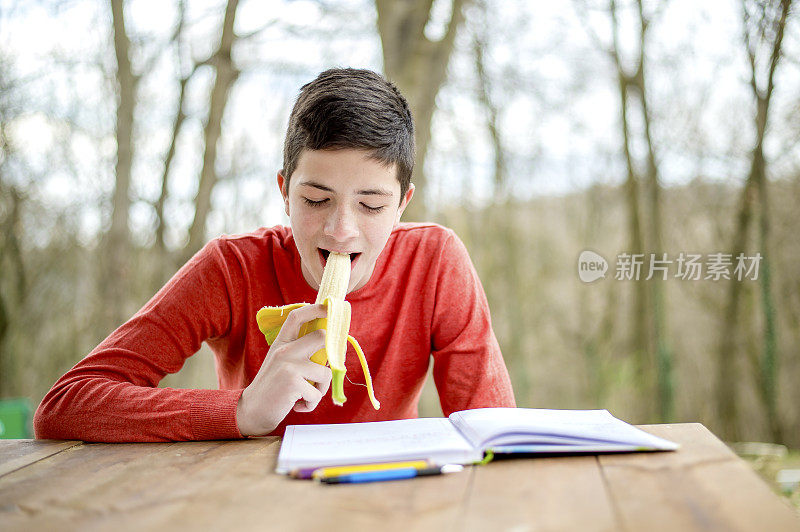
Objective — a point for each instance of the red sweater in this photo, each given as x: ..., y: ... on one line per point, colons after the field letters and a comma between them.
x: 424, y: 298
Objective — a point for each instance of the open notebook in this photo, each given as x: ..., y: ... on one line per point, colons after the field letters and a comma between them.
x: 463, y: 438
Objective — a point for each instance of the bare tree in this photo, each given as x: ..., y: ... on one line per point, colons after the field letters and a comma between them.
x: 640, y: 309
x: 418, y: 66
x: 226, y: 75
x: 663, y: 354
x: 763, y: 26
x: 12, y: 266
x: 480, y: 41
x: 500, y: 234
x: 116, y: 252
x: 180, y: 117
x: 6, y: 235
x: 650, y: 338
x: 166, y: 259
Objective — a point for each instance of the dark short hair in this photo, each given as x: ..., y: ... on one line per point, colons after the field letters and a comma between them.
x: 352, y: 108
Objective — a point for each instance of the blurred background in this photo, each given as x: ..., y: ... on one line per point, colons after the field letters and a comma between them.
x: 133, y: 131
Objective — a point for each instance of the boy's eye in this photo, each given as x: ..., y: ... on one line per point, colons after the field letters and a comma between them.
x: 314, y: 203
x: 373, y: 209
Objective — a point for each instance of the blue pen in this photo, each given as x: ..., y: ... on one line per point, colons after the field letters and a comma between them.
x: 390, y: 474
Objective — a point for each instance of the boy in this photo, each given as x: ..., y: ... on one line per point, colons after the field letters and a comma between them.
x: 348, y: 158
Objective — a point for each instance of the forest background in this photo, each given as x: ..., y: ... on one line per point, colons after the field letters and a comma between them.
x: 132, y: 132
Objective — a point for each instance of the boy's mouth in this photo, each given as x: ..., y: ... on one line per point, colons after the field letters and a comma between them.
x: 323, y: 257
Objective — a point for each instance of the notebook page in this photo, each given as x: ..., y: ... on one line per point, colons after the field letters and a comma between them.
x: 434, y: 439
x: 487, y: 426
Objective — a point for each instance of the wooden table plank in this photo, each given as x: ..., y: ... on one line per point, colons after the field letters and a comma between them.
x: 216, y: 485
x: 104, y: 485
x: 16, y: 454
x: 261, y: 497
x: 431, y: 503
x: 702, y: 486
x: 564, y: 493
x: 232, y: 485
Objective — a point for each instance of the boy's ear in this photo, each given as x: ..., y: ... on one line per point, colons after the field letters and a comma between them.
x: 284, y: 191
x: 404, y: 203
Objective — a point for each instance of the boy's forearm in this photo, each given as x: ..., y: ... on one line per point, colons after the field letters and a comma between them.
x: 100, y: 409
x: 112, y: 394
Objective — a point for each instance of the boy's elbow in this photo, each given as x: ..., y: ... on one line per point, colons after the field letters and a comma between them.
x: 50, y: 419
x: 45, y: 422
x: 40, y: 424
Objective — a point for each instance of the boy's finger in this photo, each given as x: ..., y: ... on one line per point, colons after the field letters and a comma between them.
x: 324, y: 385
x: 302, y: 348
x: 296, y: 319
x: 310, y: 398
x: 303, y: 406
x: 319, y: 375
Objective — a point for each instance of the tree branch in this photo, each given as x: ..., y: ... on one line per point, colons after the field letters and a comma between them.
x: 225, y: 78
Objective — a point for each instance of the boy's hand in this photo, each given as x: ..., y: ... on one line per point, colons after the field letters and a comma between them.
x: 282, y: 382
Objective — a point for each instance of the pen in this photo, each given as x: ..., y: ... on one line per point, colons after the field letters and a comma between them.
x: 332, y: 471
x: 390, y: 474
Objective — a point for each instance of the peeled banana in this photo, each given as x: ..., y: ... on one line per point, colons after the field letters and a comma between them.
x: 332, y: 291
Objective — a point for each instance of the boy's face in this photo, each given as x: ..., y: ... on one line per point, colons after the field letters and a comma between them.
x: 341, y: 200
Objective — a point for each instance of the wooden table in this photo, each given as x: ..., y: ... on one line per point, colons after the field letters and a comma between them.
x: 216, y: 485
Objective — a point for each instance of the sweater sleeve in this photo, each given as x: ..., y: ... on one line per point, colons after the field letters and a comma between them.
x: 468, y: 368
x: 112, y: 395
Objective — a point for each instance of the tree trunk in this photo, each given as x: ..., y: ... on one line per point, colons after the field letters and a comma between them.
x: 727, y: 373
x: 663, y: 354
x: 180, y: 116
x: 664, y: 373
x: 650, y: 344
x: 177, y: 124
x: 10, y: 254
x: 226, y: 75
x: 769, y: 360
x: 755, y: 189
x: 115, y: 255
x: 640, y: 345
x: 479, y: 43
x: 501, y: 221
x: 418, y: 66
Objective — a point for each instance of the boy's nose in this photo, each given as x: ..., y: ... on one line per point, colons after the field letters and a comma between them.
x: 341, y: 225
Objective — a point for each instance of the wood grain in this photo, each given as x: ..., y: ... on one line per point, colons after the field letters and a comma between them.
x: 216, y: 485
x: 110, y: 485
x: 702, y: 486
x: 16, y: 454
x: 430, y: 503
x: 232, y: 485
x: 539, y: 494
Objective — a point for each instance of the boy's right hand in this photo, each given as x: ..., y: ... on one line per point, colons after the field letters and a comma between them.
x: 282, y: 383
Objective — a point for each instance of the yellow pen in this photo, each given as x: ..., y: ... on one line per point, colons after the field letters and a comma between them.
x: 334, y: 471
